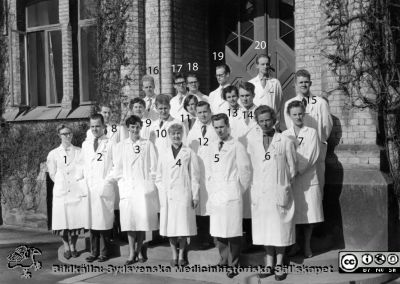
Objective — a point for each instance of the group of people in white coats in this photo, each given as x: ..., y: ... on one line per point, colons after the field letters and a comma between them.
x: 220, y: 157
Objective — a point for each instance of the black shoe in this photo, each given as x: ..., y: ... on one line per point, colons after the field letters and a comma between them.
x: 67, y: 254
x: 143, y: 251
x: 102, y: 258
x: 232, y: 274
x: 280, y: 277
x: 91, y: 258
x: 130, y: 262
x: 75, y: 254
x: 173, y: 262
x: 183, y: 262
x: 269, y: 273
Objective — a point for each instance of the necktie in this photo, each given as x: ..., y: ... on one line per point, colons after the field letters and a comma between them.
x: 161, y: 123
x: 96, y: 144
x: 263, y: 82
x: 149, y: 102
x: 247, y: 119
x: 304, y: 100
x: 105, y: 131
x: 220, y: 145
x: 180, y: 99
x: 203, y: 130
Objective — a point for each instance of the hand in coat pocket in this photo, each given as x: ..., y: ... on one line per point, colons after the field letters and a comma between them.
x: 283, y: 195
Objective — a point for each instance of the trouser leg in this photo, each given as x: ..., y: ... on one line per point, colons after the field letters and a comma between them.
x: 223, y: 248
x: 94, y: 242
x: 234, y: 248
x: 104, y: 242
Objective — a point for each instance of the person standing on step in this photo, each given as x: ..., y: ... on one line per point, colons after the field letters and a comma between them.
x: 176, y: 102
x: 273, y: 157
x: 307, y: 193
x: 189, y: 104
x: 178, y: 185
x: 97, y: 160
x: 193, y: 85
x: 217, y: 103
x: 229, y: 176
x: 70, y: 204
x: 135, y: 168
x: 150, y: 98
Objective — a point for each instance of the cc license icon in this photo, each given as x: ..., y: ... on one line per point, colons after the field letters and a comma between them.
x: 349, y: 262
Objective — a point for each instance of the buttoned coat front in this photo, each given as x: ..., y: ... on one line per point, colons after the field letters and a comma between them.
x: 272, y: 202
x: 97, y: 166
x: 135, y: 168
x: 70, y: 198
x: 229, y: 177
x: 178, y: 185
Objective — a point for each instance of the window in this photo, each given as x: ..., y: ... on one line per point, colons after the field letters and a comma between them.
x: 87, y: 40
x: 44, y: 69
x: 286, y: 22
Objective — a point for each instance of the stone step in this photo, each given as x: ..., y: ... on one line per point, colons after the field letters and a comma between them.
x: 357, y: 156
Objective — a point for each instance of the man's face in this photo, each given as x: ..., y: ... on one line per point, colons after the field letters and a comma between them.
x: 297, y: 115
x: 303, y: 85
x: 263, y: 65
x: 148, y: 88
x: 246, y: 98
x: 106, y: 113
x: 134, y: 129
x: 221, y: 129
x: 203, y: 114
x: 265, y: 121
x: 180, y: 86
x: 222, y: 76
x: 96, y: 127
x: 138, y: 109
x: 65, y: 135
x: 163, y: 110
x: 232, y: 98
x: 193, y: 84
x: 176, y: 137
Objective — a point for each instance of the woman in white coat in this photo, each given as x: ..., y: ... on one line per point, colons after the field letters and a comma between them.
x: 273, y: 157
x: 178, y: 185
x: 307, y: 194
x: 70, y: 205
x: 135, y: 168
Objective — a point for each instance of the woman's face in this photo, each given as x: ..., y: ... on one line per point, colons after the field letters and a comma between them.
x: 134, y: 130
x: 176, y: 137
x: 297, y: 115
x: 191, y: 108
x: 138, y: 110
x: 65, y: 135
x: 232, y: 98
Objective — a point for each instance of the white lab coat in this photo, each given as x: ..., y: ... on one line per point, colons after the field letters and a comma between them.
x: 217, y: 103
x: 177, y: 108
x: 135, y: 168
x: 199, y: 145
x: 318, y: 116
x: 70, y: 198
x: 271, y: 95
x: 307, y: 193
x: 96, y: 172
x: 177, y: 187
x: 200, y: 96
x: 229, y: 177
x: 272, y: 203
x: 160, y: 137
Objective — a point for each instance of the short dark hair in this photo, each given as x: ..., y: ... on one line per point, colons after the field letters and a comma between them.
x: 179, y: 76
x: 203, y: 103
x: 247, y: 86
x: 96, y: 116
x: 225, y: 66
x: 263, y: 55
x: 220, y: 116
x: 133, y: 119
x: 294, y: 104
x: 191, y: 74
x: 229, y: 89
x: 162, y: 99
x: 302, y: 73
x: 188, y: 99
x: 61, y: 127
x: 265, y: 109
x: 138, y: 100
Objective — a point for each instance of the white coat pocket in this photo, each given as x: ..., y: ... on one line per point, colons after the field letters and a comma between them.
x: 283, y: 195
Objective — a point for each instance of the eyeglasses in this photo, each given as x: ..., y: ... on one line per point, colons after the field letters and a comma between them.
x: 180, y: 83
x: 220, y: 75
x: 193, y: 82
x: 66, y: 133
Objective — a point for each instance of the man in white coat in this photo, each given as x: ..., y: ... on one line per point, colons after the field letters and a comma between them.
x: 200, y: 137
x: 317, y: 116
x: 218, y: 104
x: 193, y: 85
x: 176, y: 102
x: 111, y: 130
x: 96, y: 158
x: 229, y: 176
x: 268, y: 90
x: 150, y: 98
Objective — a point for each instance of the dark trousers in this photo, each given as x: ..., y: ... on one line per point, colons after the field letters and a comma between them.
x: 100, y: 242
x: 229, y: 246
x: 248, y: 234
x: 203, y: 229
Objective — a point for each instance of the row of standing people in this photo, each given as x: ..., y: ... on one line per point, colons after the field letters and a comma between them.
x: 157, y: 132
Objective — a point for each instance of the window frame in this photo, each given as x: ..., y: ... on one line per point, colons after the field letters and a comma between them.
x: 82, y: 24
x: 45, y: 29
